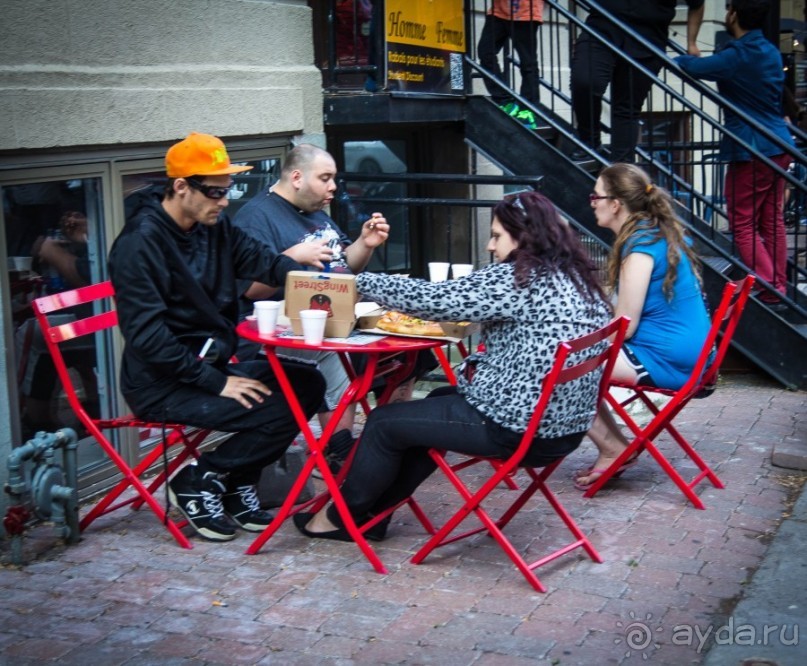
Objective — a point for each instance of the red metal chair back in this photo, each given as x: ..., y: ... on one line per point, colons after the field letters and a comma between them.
x: 724, y: 323
x: 595, y: 352
x: 701, y: 382
x: 100, y: 297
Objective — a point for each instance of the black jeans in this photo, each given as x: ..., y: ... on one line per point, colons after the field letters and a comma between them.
x: 262, y: 433
x: 495, y: 34
x: 593, y: 67
x: 392, y: 458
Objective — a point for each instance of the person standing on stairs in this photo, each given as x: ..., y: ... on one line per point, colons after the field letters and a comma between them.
x: 595, y: 66
x: 517, y: 20
x: 749, y: 74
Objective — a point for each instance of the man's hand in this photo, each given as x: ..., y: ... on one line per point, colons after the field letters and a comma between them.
x: 375, y: 231
x: 311, y: 254
x: 241, y: 388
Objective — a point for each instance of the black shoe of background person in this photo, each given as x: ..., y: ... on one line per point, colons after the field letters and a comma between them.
x: 242, y: 505
x: 336, y: 452
x: 582, y: 155
x: 198, y: 498
x: 770, y: 300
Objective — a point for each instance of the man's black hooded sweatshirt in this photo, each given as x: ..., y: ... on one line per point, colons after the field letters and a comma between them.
x: 174, y: 290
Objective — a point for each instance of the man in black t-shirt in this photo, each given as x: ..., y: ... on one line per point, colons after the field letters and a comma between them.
x: 290, y: 214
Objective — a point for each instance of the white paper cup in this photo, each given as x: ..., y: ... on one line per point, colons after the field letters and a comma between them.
x: 20, y: 263
x: 438, y: 270
x: 461, y: 270
x: 313, y: 322
x: 266, y: 314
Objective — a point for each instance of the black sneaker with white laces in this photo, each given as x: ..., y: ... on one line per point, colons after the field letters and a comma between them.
x: 242, y: 505
x: 198, y: 498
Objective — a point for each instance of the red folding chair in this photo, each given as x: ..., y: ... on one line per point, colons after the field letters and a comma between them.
x: 700, y: 383
x: 100, y: 298
x: 590, y: 353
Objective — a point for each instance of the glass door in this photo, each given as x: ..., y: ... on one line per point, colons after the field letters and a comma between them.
x: 54, y: 232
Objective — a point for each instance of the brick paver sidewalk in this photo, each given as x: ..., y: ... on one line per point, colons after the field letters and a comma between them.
x: 126, y: 594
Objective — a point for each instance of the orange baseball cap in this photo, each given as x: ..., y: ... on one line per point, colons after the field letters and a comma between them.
x: 199, y: 155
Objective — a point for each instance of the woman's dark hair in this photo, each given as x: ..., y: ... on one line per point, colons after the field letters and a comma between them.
x: 650, y: 208
x: 546, y: 243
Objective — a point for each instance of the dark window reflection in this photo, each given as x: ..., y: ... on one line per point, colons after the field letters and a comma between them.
x: 52, y: 239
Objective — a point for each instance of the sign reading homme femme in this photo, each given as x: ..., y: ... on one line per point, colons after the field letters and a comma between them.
x: 425, y: 43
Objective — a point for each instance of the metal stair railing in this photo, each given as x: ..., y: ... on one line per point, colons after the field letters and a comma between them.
x: 679, y: 136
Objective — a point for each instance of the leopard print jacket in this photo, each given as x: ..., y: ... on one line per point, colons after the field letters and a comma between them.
x: 521, y: 329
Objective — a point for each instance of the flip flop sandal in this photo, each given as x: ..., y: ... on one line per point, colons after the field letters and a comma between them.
x: 599, y: 472
x: 586, y: 471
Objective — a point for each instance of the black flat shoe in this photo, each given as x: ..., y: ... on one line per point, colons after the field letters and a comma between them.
x: 378, y: 532
x: 302, y: 519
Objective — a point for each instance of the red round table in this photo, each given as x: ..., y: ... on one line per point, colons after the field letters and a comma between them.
x: 385, y: 348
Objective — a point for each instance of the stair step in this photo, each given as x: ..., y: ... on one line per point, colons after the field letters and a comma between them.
x: 719, y: 264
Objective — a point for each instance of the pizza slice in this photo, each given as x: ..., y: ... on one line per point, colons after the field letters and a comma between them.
x: 397, y: 322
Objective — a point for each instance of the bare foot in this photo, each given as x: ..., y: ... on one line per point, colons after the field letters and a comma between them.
x: 586, y: 477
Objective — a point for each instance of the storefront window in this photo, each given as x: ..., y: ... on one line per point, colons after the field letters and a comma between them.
x: 57, y: 229
x: 54, y: 242
x: 356, y: 199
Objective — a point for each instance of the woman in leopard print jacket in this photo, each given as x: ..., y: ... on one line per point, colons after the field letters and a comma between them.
x: 541, y: 290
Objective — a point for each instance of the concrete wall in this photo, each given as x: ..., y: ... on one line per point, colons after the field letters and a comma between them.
x: 150, y: 70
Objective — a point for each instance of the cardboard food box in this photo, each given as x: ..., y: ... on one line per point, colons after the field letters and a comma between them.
x: 368, y: 314
x: 333, y: 292
x: 460, y: 329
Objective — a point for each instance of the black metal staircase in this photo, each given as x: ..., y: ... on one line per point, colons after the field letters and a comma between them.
x: 678, y: 148
x: 774, y: 341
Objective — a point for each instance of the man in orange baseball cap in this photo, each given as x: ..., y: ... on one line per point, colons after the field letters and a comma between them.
x: 200, y: 155
x: 174, y: 268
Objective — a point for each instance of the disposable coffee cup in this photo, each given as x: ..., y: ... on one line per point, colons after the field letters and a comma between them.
x: 461, y: 270
x: 20, y: 263
x: 438, y: 270
x: 313, y: 322
x: 266, y: 314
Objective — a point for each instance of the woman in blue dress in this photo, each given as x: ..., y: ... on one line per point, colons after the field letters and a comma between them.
x: 654, y: 273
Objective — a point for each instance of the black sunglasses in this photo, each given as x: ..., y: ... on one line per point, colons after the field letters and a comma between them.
x: 596, y: 197
x: 210, y: 191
